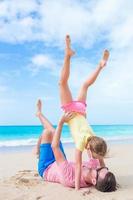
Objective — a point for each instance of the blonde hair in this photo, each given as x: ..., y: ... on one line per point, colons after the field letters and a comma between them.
x: 97, y: 145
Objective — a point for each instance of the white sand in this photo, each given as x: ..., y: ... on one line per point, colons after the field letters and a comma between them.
x: 19, y: 179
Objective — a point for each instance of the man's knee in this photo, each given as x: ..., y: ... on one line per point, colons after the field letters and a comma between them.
x: 46, y: 136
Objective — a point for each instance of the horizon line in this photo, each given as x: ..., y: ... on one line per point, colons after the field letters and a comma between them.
x: 66, y: 125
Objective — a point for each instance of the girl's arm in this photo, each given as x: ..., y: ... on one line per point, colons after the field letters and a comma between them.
x: 102, y: 163
x: 78, y: 165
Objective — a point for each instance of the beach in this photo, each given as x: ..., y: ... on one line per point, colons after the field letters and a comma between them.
x: 59, y: 57
x: 19, y: 179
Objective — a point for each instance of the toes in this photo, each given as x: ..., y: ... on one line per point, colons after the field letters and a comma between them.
x: 106, y: 55
x: 68, y: 41
x: 67, y: 36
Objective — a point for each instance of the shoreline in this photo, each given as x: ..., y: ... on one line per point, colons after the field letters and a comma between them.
x: 28, y: 148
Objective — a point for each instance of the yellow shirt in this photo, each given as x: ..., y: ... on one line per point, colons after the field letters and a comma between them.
x: 80, y: 130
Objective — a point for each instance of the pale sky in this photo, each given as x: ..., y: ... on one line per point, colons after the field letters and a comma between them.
x: 31, y: 56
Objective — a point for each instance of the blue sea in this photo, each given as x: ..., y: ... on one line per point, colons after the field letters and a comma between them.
x: 26, y: 136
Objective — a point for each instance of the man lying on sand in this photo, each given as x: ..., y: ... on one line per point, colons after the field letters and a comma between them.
x: 53, y: 165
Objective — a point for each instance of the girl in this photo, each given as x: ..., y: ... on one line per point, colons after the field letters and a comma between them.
x: 82, y: 133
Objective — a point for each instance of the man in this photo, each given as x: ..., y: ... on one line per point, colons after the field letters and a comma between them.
x: 53, y: 165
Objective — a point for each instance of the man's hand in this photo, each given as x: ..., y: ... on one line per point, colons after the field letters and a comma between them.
x: 67, y: 116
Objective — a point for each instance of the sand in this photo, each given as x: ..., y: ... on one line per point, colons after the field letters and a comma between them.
x: 19, y: 179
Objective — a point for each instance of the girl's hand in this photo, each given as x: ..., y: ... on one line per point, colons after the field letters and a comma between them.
x: 67, y: 116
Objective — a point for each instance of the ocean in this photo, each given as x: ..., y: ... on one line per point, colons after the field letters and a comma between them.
x: 25, y: 136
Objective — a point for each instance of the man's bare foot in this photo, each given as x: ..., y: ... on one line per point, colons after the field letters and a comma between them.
x: 39, y: 108
x: 105, y: 58
x: 69, y: 51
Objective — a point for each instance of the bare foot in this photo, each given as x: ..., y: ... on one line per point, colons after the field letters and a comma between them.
x: 105, y: 58
x: 39, y: 108
x: 69, y: 51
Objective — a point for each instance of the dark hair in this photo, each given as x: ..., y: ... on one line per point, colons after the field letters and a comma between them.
x: 97, y: 145
x: 108, y: 184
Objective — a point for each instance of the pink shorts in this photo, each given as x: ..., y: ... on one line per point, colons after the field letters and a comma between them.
x: 75, y: 106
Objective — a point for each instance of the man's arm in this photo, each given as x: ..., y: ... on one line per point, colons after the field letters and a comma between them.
x: 56, y: 138
x: 59, y: 156
x: 78, y: 158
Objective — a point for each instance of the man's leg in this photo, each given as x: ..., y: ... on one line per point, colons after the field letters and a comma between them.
x: 46, y: 124
x: 46, y: 156
x: 46, y: 137
x: 65, y: 94
x: 83, y: 91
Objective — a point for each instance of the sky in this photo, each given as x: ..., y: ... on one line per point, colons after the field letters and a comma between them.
x: 32, y: 36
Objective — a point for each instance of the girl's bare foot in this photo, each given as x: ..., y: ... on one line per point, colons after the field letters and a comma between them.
x: 69, y: 51
x: 39, y: 108
x: 105, y: 58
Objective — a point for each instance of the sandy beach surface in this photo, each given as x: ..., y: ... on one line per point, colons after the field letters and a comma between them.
x: 19, y: 179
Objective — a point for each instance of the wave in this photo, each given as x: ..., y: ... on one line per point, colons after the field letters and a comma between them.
x: 33, y: 141
x: 119, y: 138
x: 15, y: 143
x: 26, y: 142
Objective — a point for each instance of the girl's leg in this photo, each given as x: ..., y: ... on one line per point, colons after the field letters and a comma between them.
x: 83, y: 91
x: 65, y: 94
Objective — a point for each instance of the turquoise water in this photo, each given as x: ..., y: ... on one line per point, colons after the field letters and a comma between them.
x: 16, y: 136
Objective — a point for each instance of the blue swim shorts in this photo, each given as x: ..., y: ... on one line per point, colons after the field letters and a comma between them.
x: 46, y: 157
